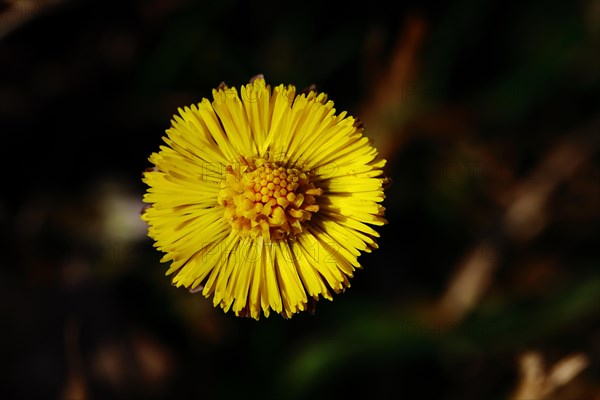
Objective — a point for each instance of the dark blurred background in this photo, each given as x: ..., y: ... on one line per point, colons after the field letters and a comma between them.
x: 487, y: 281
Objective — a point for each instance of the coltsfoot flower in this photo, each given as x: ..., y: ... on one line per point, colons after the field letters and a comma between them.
x: 263, y: 199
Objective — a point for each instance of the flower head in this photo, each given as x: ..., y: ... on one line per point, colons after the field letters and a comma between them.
x: 264, y: 201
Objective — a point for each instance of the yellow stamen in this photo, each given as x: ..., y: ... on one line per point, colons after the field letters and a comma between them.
x: 266, y: 199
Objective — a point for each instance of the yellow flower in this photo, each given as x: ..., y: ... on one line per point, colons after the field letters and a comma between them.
x: 262, y: 201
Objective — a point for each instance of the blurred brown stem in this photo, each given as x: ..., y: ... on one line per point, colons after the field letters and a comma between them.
x: 535, y: 382
x: 75, y: 386
x: 393, y: 86
x: 19, y: 12
x: 523, y: 219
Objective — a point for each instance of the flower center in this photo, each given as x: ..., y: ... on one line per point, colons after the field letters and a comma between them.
x: 262, y: 197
